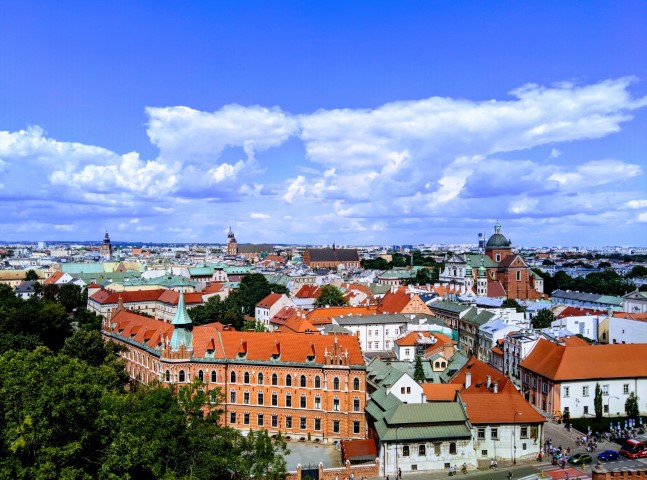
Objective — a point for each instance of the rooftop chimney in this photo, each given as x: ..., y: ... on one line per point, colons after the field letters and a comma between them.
x: 496, y: 387
x: 488, y: 381
x: 468, y: 380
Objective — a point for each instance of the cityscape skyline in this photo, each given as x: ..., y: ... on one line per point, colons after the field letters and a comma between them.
x: 363, y: 124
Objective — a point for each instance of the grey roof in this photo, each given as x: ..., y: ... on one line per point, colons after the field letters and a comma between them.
x: 447, y: 307
x: 333, y: 254
x: 370, y: 319
x: 587, y: 297
x: 255, y: 248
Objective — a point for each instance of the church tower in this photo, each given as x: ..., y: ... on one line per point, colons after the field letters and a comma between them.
x: 469, y: 276
x: 498, y: 247
x: 105, y: 251
x: 481, y: 281
x: 232, y: 244
x: 182, y: 338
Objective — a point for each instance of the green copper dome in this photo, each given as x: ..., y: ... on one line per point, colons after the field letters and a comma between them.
x: 498, y: 240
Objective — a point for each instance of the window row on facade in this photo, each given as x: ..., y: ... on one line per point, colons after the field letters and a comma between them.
x: 289, y: 422
x: 287, y: 401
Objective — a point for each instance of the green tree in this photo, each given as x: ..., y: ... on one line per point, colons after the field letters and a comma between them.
x: 543, y: 318
x: 597, y: 402
x: 31, y: 275
x: 330, y: 295
x: 512, y: 303
x: 631, y: 406
x: 603, y: 265
x: 639, y: 271
x: 70, y: 296
x: 418, y: 371
x: 376, y: 264
x: 547, y: 262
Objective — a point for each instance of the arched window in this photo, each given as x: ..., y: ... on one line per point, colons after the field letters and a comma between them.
x: 317, y: 381
x: 214, y: 376
x: 232, y: 377
x: 275, y: 379
x: 437, y: 364
x: 356, y: 383
x: 335, y: 384
x: 260, y: 378
x: 181, y: 377
x: 303, y: 381
x: 246, y: 377
x: 167, y: 376
x: 288, y: 380
x: 201, y: 375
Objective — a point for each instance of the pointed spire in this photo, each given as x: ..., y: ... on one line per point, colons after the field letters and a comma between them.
x: 182, y: 333
x: 482, y: 268
x: 468, y: 267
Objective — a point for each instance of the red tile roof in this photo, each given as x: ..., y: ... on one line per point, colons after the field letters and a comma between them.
x: 172, y: 297
x: 578, y: 312
x: 557, y: 362
x: 104, y: 296
x: 308, y: 291
x: 358, y: 449
x: 501, y: 407
x: 479, y: 371
x: 323, y: 315
x: 53, y: 278
x: 495, y: 289
x: 270, y: 300
x: 394, y: 302
x: 440, y: 392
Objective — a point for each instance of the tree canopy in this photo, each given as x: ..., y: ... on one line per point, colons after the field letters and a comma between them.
x: 543, y: 319
x: 330, y: 295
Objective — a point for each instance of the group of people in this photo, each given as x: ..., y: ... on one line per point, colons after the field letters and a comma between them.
x: 494, y: 464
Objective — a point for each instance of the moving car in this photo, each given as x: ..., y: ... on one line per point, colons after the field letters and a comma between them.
x: 633, y: 449
x: 580, y: 459
x: 608, y: 455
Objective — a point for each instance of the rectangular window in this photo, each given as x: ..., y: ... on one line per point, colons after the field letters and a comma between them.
x: 606, y: 408
x: 408, y: 389
x: 288, y: 422
x: 605, y: 389
x: 386, y: 332
x: 625, y: 389
x: 317, y: 402
x: 422, y: 450
x: 481, y: 433
x: 585, y: 391
x: 534, y: 383
x: 518, y: 275
x: 302, y: 423
x: 356, y: 427
x: 484, y: 453
x: 275, y: 421
x: 406, y: 352
x: 303, y: 401
x: 246, y: 398
x: 275, y: 399
x: 452, y: 448
x: 288, y: 400
x: 494, y: 434
x: 523, y: 432
x: 260, y: 420
x: 335, y: 404
x: 232, y: 397
x: 317, y: 423
x: 246, y: 418
x: 335, y: 426
x: 586, y: 409
x: 356, y: 405
x: 402, y: 390
x: 261, y: 398
x: 405, y: 450
x: 544, y: 388
x: 232, y: 417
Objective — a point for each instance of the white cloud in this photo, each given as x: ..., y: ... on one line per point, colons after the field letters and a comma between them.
x: 554, y: 153
x: 259, y: 216
x: 296, y: 189
x: 634, y: 204
x: 642, y: 217
x: 595, y: 173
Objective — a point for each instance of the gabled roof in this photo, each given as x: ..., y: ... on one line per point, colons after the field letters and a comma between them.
x: 333, y: 254
x: 270, y: 300
x: 324, y: 315
x: 564, y: 363
x: 492, y: 408
x: 54, y: 277
x: 495, y: 289
x: 440, y: 392
x: 106, y: 297
x: 508, y: 260
x: 308, y: 291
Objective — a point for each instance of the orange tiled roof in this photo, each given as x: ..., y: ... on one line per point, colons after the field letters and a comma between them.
x: 172, y: 297
x: 270, y: 300
x: 144, y: 330
x: 308, y: 291
x: 297, y: 324
x: 441, y: 392
x: 574, y: 341
x: 479, y: 370
x: 578, y: 312
x: 323, y: 315
x: 394, y: 302
x: 53, y: 278
x: 557, y: 362
x: 501, y: 407
x: 641, y: 317
x: 212, y: 287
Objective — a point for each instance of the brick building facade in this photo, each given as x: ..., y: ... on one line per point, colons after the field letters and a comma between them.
x: 310, y: 386
x: 331, y: 257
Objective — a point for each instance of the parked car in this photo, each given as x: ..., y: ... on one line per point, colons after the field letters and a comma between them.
x: 580, y: 459
x: 608, y: 455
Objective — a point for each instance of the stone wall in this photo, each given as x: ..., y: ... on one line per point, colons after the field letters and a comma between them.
x: 367, y: 470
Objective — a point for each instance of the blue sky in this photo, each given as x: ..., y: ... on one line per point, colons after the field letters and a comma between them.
x: 320, y: 122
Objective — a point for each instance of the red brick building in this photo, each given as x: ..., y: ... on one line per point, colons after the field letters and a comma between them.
x: 300, y: 385
x: 331, y: 257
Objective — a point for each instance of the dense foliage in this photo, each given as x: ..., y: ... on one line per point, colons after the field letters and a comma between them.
x: 232, y: 310
x: 607, y: 282
x: 543, y: 318
x: 330, y: 295
x: 67, y: 410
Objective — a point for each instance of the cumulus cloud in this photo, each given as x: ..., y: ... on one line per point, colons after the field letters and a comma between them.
x: 259, y: 216
x: 633, y: 204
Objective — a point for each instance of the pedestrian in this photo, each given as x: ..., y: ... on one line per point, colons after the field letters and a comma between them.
x: 509, y: 475
x: 399, y: 474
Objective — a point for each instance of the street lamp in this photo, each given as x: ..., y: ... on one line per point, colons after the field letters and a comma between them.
x: 608, y: 410
x: 514, y: 438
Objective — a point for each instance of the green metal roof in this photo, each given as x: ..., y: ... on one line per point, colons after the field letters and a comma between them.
x: 200, y: 271
x: 452, y: 307
x: 421, y: 432
x: 433, y: 412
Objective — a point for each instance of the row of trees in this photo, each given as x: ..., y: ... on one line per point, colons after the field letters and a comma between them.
x: 607, y: 282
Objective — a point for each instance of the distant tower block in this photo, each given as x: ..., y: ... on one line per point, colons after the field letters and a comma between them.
x: 232, y: 244
x: 105, y: 251
x: 481, y: 243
